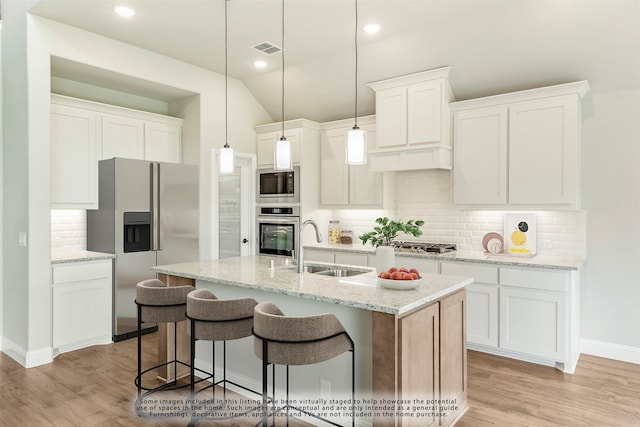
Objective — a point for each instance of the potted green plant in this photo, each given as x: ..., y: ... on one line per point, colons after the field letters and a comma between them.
x: 382, y: 236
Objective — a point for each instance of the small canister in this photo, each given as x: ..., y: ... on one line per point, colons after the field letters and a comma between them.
x: 334, y: 232
x: 346, y: 237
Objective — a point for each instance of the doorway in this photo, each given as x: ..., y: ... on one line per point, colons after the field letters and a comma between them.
x: 234, y: 204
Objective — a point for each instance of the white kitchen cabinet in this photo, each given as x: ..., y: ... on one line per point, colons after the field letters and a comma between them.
x: 351, y: 258
x: 480, y: 156
x: 162, y: 142
x: 81, y: 304
x: 530, y: 314
x: 544, y: 151
x: 413, y: 122
x: 122, y: 137
x: 532, y: 322
x: 266, y: 146
x: 519, y: 150
x: 318, y: 255
x: 342, y: 184
x: 424, y: 266
x: 305, y: 145
x: 74, y: 158
x: 482, y: 301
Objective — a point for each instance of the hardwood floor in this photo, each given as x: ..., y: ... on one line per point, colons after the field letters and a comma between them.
x: 94, y: 387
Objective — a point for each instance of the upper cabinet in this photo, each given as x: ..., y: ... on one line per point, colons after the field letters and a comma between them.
x: 304, y: 136
x: 74, y: 158
x: 412, y: 122
x: 343, y: 185
x: 265, y: 146
x: 519, y: 150
x: 84, y: 132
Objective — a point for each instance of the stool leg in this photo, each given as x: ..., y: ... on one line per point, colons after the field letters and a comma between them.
x: 287, y: 396
x: 193, y: 356
x: 264, y: 383
x: 353, y: 387
x: 213, y: 371
x: 139, y: 351
x: 224, y: 372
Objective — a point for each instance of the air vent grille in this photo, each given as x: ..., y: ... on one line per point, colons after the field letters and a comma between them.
x: 267, y: 48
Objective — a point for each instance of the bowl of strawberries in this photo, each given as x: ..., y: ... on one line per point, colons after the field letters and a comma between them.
x: 399, y: 278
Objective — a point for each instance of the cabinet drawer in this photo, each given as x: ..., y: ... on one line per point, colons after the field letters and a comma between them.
x: 424, y: 266
x: 77, y: 272
x: 318, y: 255
x: 536, y: 279
x: 480, y: 273
x: 351, y: 259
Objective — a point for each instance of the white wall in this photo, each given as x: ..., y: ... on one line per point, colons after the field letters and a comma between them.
x: 28, y: 160
x: 1, y: 194
x: 611, y: 196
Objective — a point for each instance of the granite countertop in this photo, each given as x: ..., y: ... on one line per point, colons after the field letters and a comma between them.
x: 78, y: 256
x: 538, y: 261
x: 360, y: 291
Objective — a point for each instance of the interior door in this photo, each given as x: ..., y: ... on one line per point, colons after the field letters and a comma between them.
x: 235, y: 195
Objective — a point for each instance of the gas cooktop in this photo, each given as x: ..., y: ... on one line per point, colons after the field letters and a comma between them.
x: 423, y: 247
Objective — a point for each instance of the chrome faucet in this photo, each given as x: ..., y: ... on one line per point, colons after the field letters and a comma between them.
x: 301, y: 245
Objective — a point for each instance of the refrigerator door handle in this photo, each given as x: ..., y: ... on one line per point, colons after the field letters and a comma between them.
x: 158, y: 208
x: 153, y: 197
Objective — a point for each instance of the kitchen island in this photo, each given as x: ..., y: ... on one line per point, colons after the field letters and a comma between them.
x: 410, y: 344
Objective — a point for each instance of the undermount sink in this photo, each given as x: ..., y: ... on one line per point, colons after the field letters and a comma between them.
x: 333, y: 270
x: 341, y: 272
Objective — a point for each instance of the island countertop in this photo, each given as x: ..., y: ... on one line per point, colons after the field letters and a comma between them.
x: 360, y: 291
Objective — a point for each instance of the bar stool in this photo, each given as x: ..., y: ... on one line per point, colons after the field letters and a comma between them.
x: 213, y: 319
x: 291, y: 340
x: 159, y: 303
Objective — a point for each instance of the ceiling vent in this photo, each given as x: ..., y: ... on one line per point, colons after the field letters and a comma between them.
x: 267, y: 48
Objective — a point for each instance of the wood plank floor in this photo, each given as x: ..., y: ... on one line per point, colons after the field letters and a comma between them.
x: 94, y: 387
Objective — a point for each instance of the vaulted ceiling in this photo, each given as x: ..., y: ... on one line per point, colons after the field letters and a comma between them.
x: 492, y: 46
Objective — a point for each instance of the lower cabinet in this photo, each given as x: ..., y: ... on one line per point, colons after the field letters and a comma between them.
x: 526, y: 313
x: 431, y: 359
x: 81, y: 305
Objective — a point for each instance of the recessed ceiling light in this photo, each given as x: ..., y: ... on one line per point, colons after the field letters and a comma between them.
x: 124, y: 11
x: 371, y: 28
x: 259, y: 64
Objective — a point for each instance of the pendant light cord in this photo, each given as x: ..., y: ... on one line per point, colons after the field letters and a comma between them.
x: 226, y: 78
x: 355, y: 115
x: 282, y: 70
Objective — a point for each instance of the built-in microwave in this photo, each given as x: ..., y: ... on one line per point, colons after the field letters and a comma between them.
x: 276, y: 186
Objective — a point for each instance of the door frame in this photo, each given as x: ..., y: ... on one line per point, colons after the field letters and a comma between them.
x: 248, y: 201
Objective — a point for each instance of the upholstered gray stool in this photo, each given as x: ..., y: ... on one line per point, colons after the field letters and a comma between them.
x: 291, y: 340
x: 214, y: 319
x: 159, y: 303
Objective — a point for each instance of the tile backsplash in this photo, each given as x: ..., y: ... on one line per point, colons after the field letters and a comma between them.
x: 68, y: 230
x: 426, y: 195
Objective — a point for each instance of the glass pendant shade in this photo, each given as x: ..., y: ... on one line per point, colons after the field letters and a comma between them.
x: 226, y: 160
x: 356, y: 146
x: 282, y: 154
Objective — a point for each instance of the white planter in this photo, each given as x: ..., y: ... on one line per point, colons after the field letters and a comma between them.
x: 385, y: 258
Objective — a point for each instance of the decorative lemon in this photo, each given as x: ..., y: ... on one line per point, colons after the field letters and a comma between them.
x: 518, y: 238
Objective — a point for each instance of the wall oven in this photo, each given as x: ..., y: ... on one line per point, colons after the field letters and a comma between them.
x: 277, y: 230
x: 278, y: 186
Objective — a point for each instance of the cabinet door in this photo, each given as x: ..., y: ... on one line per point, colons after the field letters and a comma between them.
x: 391, y: 117
x: 480, y: 156
x: 265, y: 146
x: 334, y: 170
x: 318, y: 255
x: 544, y: 151
x: 453, y: 352
x: 424, y: 112
x: 122, y: 137
x: 419, y: 353
x: 365, y: 187
x: 482, y: 314
x: 424, y: 266
x: 532, y: 322
x: 74, y: 158
x: 350, y: 258
x: 162, y: 142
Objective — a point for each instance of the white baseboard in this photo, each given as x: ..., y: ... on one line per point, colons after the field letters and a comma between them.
x: 623, y: 353
x: 28, y: 359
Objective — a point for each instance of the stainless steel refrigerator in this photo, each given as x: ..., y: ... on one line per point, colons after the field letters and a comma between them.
x: 147, y: 216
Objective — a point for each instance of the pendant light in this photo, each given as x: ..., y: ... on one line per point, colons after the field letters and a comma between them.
x: 282, y: 148
x: 226, y: 152
x: 356, y: 137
